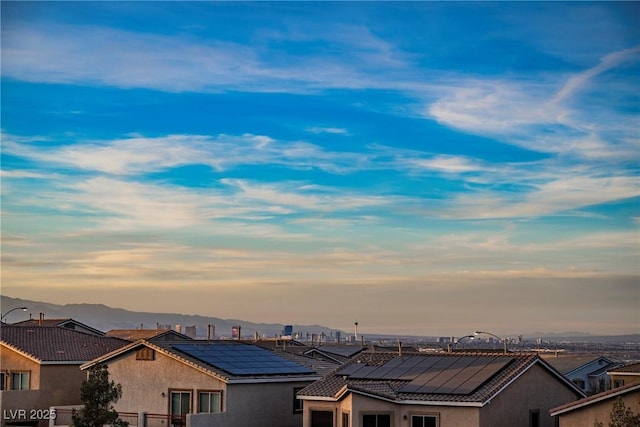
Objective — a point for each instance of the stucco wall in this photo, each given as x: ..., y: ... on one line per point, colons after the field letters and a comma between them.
x: 144, y: 382
x: 598, y: 411
x: 535, y: 389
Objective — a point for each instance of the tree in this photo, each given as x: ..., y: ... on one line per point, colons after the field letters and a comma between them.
x: 98, y: 393
x: 621, y: 416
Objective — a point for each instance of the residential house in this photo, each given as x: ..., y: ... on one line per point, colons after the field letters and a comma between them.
x: 585, y: 412
x: 588, y: 372
x: 40, y: 368
x: 68, y: 323
x: 434, y: 390
x: 208, y: 383
x: 625, y: 374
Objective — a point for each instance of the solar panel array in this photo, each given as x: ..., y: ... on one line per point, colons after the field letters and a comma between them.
x: 432, y: 374
x: 242, y: 359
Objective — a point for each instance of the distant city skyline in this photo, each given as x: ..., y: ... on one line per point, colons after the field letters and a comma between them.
x: 424, y: 168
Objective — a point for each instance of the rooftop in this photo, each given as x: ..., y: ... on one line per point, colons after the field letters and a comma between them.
x: 472, y: 378
x: 629, y: 368
x: 55, y: 344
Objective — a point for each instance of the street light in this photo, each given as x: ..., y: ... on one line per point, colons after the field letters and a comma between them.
x: 471, y: 337
x: 13, y: 309
x: 504, y: 341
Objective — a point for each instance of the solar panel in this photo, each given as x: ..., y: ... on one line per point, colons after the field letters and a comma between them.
x: 241, y: 359
x: 458, y: 375
x: 483, y: 375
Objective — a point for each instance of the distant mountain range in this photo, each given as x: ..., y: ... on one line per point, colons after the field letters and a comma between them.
x: 105, y: 318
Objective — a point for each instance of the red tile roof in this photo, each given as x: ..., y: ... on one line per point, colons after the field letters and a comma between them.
x: 54, y: 344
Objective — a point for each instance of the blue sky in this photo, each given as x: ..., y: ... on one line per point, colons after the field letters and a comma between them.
x: 423, y: 168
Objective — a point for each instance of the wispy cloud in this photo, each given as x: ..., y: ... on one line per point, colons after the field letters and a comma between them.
x: 106, y: 56
x: 578, y: 81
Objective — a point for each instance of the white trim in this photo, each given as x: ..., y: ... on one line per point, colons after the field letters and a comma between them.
x: 623, y: 374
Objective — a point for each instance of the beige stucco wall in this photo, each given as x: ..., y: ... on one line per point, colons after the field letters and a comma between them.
x: 627, y: 378
x: 50, y: 385
x: 599, y: 411
x: 535, y: 389
x: 144, y: 382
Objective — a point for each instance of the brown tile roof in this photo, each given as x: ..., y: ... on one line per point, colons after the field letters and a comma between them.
x: 43, y: 322
x: 54, y: 344
x: 334, y: 385
x: 609, y: 394
x: 629, y: 368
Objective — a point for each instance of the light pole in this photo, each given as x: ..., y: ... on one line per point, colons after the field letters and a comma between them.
x: 471, y: 337
x: 504, y: 341
x: 13, y: 309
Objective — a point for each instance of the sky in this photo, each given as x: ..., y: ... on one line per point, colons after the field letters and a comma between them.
x: 423, y: 168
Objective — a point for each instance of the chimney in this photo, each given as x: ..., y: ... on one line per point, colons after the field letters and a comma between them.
x: 356, y: 336
x: 40, y: 319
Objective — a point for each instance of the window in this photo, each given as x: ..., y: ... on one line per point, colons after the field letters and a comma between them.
x: 618, y: 383
x: 210, y: 401
x: 3, y: 379
x: 297, y: 403
x: 321, y: 419
x: 20, y: 381
x: 534, y: 418
x: 376, y: 420
x: 179, y: 406
x: 345, y: 419
x: 145, y: 353
x: 424, y: 421
x: 579, y: 382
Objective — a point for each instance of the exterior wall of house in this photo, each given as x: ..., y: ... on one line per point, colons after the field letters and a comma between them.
x: 49, y: 385
x: 146, y: 384
x: 620, y: 379
x: 267, y: 404
x: 599, y: 411
x: 536, y: 390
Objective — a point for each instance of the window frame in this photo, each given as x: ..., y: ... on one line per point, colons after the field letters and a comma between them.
x: 181, y: 417
x: 21, y: 374
x: 325, y: 410
x: 434, y: 415
x: 210, y: 392
x: 377, y: 414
